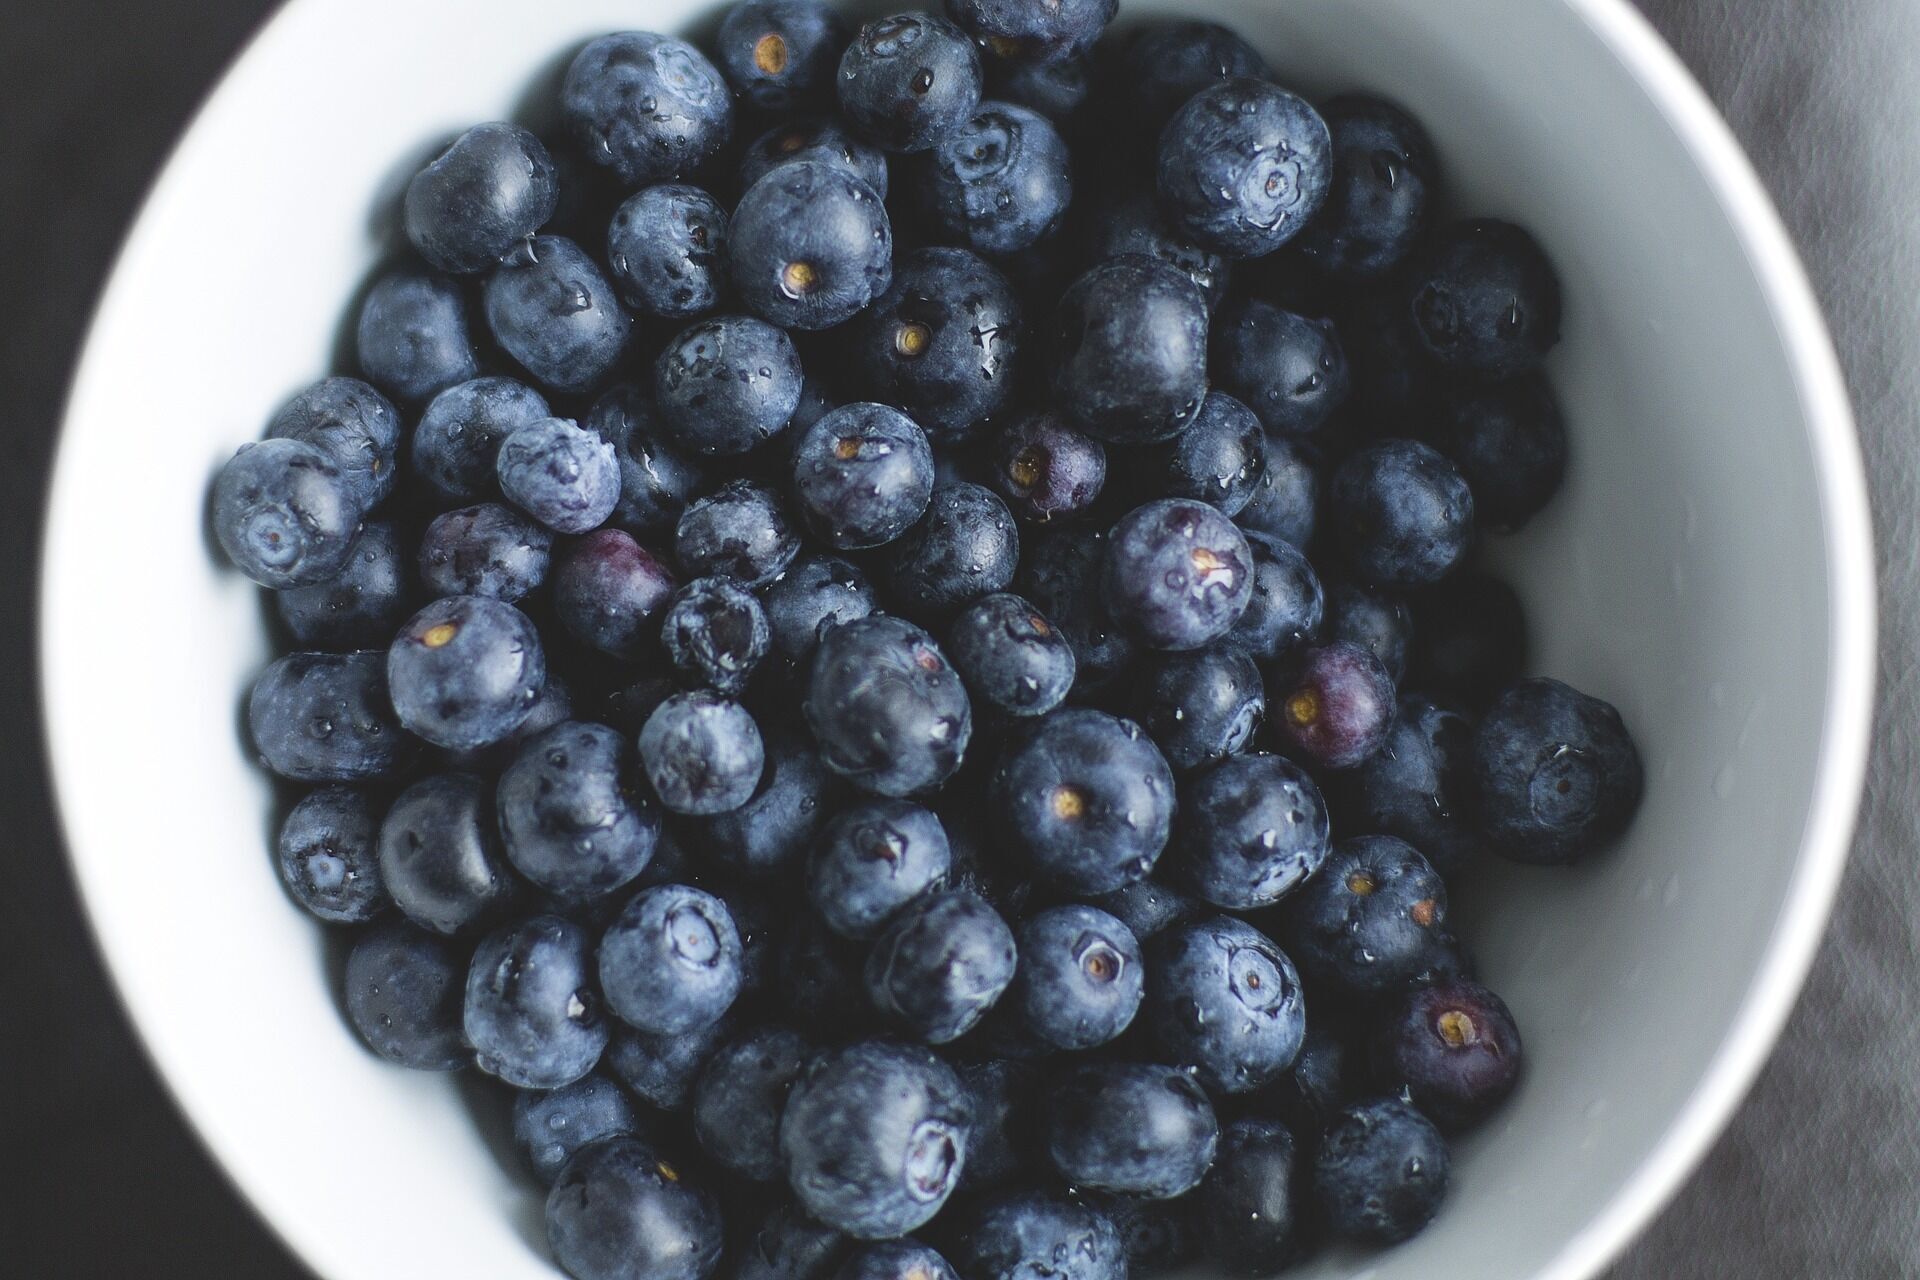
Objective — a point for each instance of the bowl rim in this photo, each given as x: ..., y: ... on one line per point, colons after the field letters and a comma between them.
x: 1845, y: 732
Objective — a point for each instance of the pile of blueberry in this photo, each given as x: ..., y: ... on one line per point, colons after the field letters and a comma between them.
x: 833, y: 633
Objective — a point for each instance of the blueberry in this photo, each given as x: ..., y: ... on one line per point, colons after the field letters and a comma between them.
x: 351, y: 423
x: 647, y: 106
x: 910, y: 80
x: 715, y: 634
x: 1485, y: 299
x: 1079, y: 980
x: 620, y: 1210
x: 1243, y: 167
x: 457, y: 443
x: 810, y: 245
x: 1005, y: 1096
x: 360, y: 608
x: 875, y: 1135
x: 817, y: 139
x: 1455, y: 1049
x: 1201, y: 705
x: 1127, y: 1127
x: 1419, y: 785
x: 1384, y: 180
x: 780, y: 55
x: 1290, y: 369
x: 661, y: 1069
x: 1010, y: 656
x: 413, y: 338
x: 1045, y: 469
x: 670, y: 961
x: 862, y: 475
x: 532, y: 1014
x: 942, y: 342
x: 1251, y: 830
x: 1510, y: 443
x: 285, y: 513
x: 702, y: 753
x: 562, y: 475
x: 1247, y: 1205
x: 1024, y: 1233
x: 1471, y: 640
x: 1558, y: 775
x: 1286, y: 501
x: 740, y: 531
x: 609, y: 592
x: 1148, y: 907
x: 724, y: 385
x: 656, y: 480
x: 1219, y: 460
x: 551, y: 309
x: 1129, y: 351
x: 785, y: 1244
x: 1395, y: 380
x: 570, y: 817
x: 549, y: 1127
x: 1166, y: 63
x: 739, y: 1096
x: 940, y: 963
x: 328, y: 858
x: 440, y: 855
x: 1380, y: 1172
x: 1062, y: 575
x: 1000, y: 182
x: 896, y: 1260
x: 325, y: 717
x: 1318, y: 1084
x: 1129, y: 222
x: 1085, y: 801
x: 889, y: 712
x: 871, y: 859
x: 754, y: 920
x: 814, y: 970
x: 770, y: 833
x: 465, y: 671
x: 403, y: 991
x: 1377, y: 621
x: 1288, y: 602
x: 1029, y: 33
x: 486, y: 550
x: 1369, y: 920
x: 1402, y: 513
x: 667, y: 248
x: 812, y: 595
x: 1225, y: 1001
x: 1160, y: 1236
x: 482, y: 196
x: 1058, y: 90
x: 1178, y: 575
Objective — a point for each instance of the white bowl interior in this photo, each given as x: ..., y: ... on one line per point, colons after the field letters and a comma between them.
x: 1704, y: 570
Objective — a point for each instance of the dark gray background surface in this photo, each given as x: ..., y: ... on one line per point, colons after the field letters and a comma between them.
x: 1818, y: 1177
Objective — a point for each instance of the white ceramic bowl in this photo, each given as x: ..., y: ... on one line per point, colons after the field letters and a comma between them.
x: 1708, y: 569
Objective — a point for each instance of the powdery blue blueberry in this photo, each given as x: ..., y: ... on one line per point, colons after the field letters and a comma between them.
x: 670, y: 961
x: 571, y: 818
x: 1165, y: 63
x: 1219, y: 460
x: 1130, y: 222
x: 812, y: 595
x: 1012, y: 658
x: 872, y: 859
x: 440, y: 855
x: 1384, y: 180
x: 1244, y: 166
x: 1179, y: 574
x: 649, y: 107
x: 413, y: 337
x: 1251, y: 830
x: 942, y: 343
x: 1128, y: 351
x: 359, y: 608
x: 909, y: 80
x: 1131, y: 1128
x: 715, y: 634
x: 1000, y: 182
x: 488, y: 550
x: 562, y: 475
x: 1030, y: 33
x: 487, y: 193
x: 661, y: 1069
x: 328, y: 855
x: 459, y: 435
x: 1378, y: 621
x: 1044, y: 468
x: 285, y: 513
x: 966, y: 546
x: 940, y: 963
x: 403, y: 995
x: 1510, y: 443
x: 620, y: 1209
x: 465, y: 671
x: 1380, y: 1172
x: 1485, y: 299
x: 552, y: 310
x: 702, y: 753
x: 351, y: 423
x: 1079, y: 981
x: 889, y: 712
x: 326, y: 717
x: 1372, y: 919
x: 1223, y: 1000
x: 1149, y: 907
x: 549, y: 1127
x: 862, y: 475
x: 1557, y: 774
x: 741, y: 531
x: 810, y: 245
x: 1286, y: 502
x: 1201, y: 705
x: 896, y: 1260
x: 725, y: 385
x: 667, y: 248
x: 532, y: 1014
x: 1419, y: 786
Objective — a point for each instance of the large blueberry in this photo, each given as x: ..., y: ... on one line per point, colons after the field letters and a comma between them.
x: 702, y: 753
x: 943, y: 341
x: 1384, y: 176
x: 657, y: 481
x: 667, y: 248
x: 1225, y: 1001
x: 351, y: 423
x: 1080, y: 978
x: 1010, y: 656
x: 572, y: 817
x: 1179, y: 574
x: 1200, y: 705
x: 942, y: 961
x: 966, y: 546
x: 1289, y: 369
x: 412, y: 337
x: 620, y: 1210
x: 739, y: 1097
x: 862, y: 475
x: 1557, y: 773
x: 741, y: 531
x: 670, y: 961
x: 1132, y: 1128
x: 1485, y: 299
x: 725, y: 385
x: 647, y: 106
x: 488, y: 550
x: 1000, y: 182
x: 1402, y: 514
x: 889, y: 711
x: 359, y: 608
x: 285, y: 513
x: 910, y: 80
x: 482, y: 196
x: 1380, y: 1172
x: 1373, y: 917
x: 549, y: 1127
x: 561, y: 474
x: 781, y: 54
x: 1252, y: 829
x: 465, y: 671
x: 440, y: 854
x: 810, y: 245
x: 326, y: 717
x: 1128, y: 351
x: 532, y: 1014
x: 872, y: 859
x: 1244, y: 166
x: 459, y: 436
x: 328, y: 855
x: 403, y: 995
x: 609, y: 591
x: 552, y: 310
x: 811, y: 596
x: 1018, y: 1234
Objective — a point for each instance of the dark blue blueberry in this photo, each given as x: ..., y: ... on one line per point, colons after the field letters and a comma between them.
x: 889, y: 712
x: 647, y: 106
x: 465, y: 671
x: 740, y: 531
x: 609, y: 591
x: 1454, y: 1048
x: 1557, y: 773
x: 1166, y: 63
x: 656, y: 480
x: 413, y: 338
x: 702, y: 753
x: 667, y: 248
x: 739, y: 1096
x: 1131, y: 1128
x: 561, y: 474
x: 1129, y: 222
x: 1080, y: 980
x: 1380, y: 1172
x: 862, y: 475
x: 1286, y: 501
x: 812, y: 595
x: 551, y: 309
x: 1378, y: 621
x: 943, y: 341
x: 1243, y: 167
x: 1370, y: 920
x: 875, y: 1136
x: 1034, y: 33
x: 1395, y: 381
x: 1058, y: 90
x: 1248, y: 1205
x: 532, y: 1014
x: 482, y: 196
x: 999, y: 182
x: 754, y: 919
x: 1219, y: 460
x: 1384, y: 180
x: 403, y: 993
x: 1510, y: 442
x: 661, y: 1070
x: 1401, y: 513
x: 572, y: 818
x: 1419, y: 785
x: 1251, y: 830
x: 1005, y: 1096
x: 1335, y: 705
x: 1201, y: 705
x: 1085, y: 801
x: 814, y: 970
x: 785, y: 1244
x: 769, y: 834
x: 715, y: 634
x: 1485, y: 299
x: 549, y: 1127
x: 1225, y: 1001
x: 1469, y: 640
x: 1019, y: 1234
x: 725, y: 385
x: 329, y: 858
x: 1010, y: 656
x: 940, y: 963
x: 670, y: 961
x: 621, y: 1210
x: 1129, y: 351
x: 872, y: 859
x: 1161, y: 1236
x: 1062, y: 575
x: 456, y: 445
x: 896, y: 1260
x: 360, y: 608
x: 1288, y: 601
x: 325, y: 717
x: 780, y: 55
x: 1290, y: 369
x: 351, y: 423
x: 286, y: 514
x: 1045, y: 469
x: 1148, y: 907
x: 440, y: 855
x: 810, y: 245
x: 1318, y: 1084
x: 488, y: 550
x: 910, y: 80
x: 818, y: 139
x: 1178, y: 575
